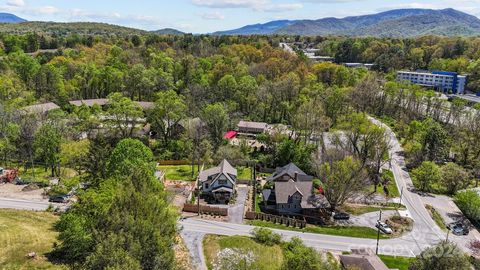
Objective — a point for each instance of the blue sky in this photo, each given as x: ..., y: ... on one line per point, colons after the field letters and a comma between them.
x: 203, y: 16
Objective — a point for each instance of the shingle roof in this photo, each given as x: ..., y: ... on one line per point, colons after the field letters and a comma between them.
x: 89, y: 102
x: 283, y: 190
x: 223, y: 167
x: 292, y: 170
x: 146, y: 105
x: 363, y: 262
x: 41, y: 108
x: 248, y: 124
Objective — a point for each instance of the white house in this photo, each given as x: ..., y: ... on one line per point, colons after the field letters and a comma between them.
x: 219, y: 182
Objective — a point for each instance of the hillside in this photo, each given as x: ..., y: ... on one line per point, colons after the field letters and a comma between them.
x: 10, y: 18
x: 393, y: 23
x: 168, y: 31
x: 258, y: 29
x: 82, y: 28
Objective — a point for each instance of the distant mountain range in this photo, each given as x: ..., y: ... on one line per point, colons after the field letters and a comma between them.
x: 10, y: 18
x: 393, y: 23
x: 259, y: 29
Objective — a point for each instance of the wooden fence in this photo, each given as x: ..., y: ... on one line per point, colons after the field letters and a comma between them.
x: 276, y: 219
x: 193, y: 208
x: 173, y: 162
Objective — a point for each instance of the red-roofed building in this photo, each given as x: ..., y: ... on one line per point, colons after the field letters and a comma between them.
x: 230, y: 135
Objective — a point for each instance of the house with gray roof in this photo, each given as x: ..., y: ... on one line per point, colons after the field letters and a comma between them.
x: 104, y: 101
x: 252, y: 127
x: 292, y: 192
x: 40, y: 108
x: 218, y: 183
x: 362, y: 260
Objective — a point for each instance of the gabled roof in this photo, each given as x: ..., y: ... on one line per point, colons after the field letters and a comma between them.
x: 292, y: 170
x: 89, y: 102
x: 363, y: 262
x: 41, y: 108
x: 249, y: 124
x: 284, y: 190
x: 224, y: 167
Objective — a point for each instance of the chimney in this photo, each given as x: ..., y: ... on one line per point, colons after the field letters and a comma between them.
x: 296, y: 176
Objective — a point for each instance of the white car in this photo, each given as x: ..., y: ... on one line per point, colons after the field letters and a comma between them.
x: 384, y: 227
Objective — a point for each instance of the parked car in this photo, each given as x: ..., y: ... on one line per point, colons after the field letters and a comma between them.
x: 458, y: 228
x: 341, y: 216
x: 20, y: 181
x: 382, y: 226
x: 58, y: 199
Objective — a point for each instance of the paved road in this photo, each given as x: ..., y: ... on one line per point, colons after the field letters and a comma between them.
x: 449, y: 211
x: 424, y: 226
x: 194, y: 242
x: 23, y: 204
x: 399, y: 246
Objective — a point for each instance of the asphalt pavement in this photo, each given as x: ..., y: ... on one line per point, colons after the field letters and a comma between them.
x: 23, y: 204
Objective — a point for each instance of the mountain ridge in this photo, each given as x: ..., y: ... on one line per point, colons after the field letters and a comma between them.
x: 10, y: 18
x: 391, y: 23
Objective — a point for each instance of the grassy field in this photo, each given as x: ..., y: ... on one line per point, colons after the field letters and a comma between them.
x: 22, y: 232
x: 395, y: 262
x: 350, y: 231
x: 179, y: 172
x: 266, y: 257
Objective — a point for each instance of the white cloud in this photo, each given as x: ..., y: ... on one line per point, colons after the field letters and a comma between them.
x: 256, y: 5
x: 230, y: 3
x: 16, y: 3
x: 331, y: 1
x: 47, y: 10
x: 212, y: 16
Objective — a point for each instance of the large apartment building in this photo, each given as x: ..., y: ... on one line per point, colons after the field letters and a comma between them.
x: 447, y: 82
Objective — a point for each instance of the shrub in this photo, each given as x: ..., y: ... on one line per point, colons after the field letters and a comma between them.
x: 469, y: 203
x: 266, y: 236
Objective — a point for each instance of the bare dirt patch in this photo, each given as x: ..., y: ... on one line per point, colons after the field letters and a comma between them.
x: 17, y: 192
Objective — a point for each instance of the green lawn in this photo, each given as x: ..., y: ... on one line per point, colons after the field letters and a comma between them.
x: 184, y: 172
x: 395, y: 262
x: 179, y: 172
x: 22, y: 232
x: 436, y: 217
x: 258, y: 201
x: 244, y: 173
x: 357, y: 210
x: 392, y: 186
x: 350, y: 231
x: 266, y: 257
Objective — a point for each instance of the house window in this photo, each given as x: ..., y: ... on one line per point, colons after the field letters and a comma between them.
x: 206, y: 185
x: 222, y: 182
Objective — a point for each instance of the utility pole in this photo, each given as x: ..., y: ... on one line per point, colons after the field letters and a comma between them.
x: 198, y: 196
x: 401, y: 195
x: 378, y: 230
